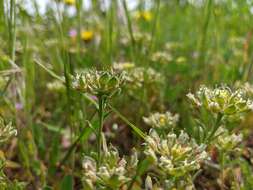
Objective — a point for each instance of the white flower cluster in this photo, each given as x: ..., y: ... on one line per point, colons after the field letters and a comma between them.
x: 175, y: 155
x: 139, y: 76
x: 6, y: 131
x: 140, y: 38
x: 161, y: 120
x: 161, y: 57
x: 121, y: 66
x: 226, y: 141
x: 113, y: 173
x: 248, y: 88
x: 55, y: 86
x: 98, y: 82
x: 169, y: 184
x: 221, y: 100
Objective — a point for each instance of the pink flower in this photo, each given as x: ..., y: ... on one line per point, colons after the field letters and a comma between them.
x: 72, y: 33
x: 19, y: 106
x: 94, y: 97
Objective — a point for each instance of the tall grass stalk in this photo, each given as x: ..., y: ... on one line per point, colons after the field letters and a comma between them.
x: 66, y: 66
x: 79, y: 5
x: 155, y: 26
x: 130, y: 28
x: 110, y: 29
x: 12, y: 29
x: 203, y: 39
x: 2, y: 16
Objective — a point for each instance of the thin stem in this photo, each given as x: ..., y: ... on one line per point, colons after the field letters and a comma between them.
x: 110, y: 29
x: 222, y: 169
x: 133, y: 127
x: 79, y: 5
x: 73, y: 146
x: 215, y: 127
x: 155, y: 26
x: 101, y: 100
x: 129, y: 26
x: 12, y: 25
x: 202, y: 47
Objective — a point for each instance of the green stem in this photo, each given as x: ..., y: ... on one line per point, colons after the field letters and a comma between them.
x: 12, y: 25
x: 79, y: 5
x: 73, y: 146
x: 101, y: 100
x: 155, y: 26
x: 222, y: 169
x: 133, y: 127
x: 129, y: 26
x: 202, y: 47
x: 109, y: 23
x: 215, y: 127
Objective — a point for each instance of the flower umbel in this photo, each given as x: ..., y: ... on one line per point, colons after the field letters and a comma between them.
x: 227, y: 142
x: 123, y: 66
x: 175, y: 156
x: 98, y: 83
x: 222, y: 100
x: 136, y: 77
x: 161, y: 57
x: 113, y: 173
x: 161, y: 120
x: 6, y: 131
x: 55, y: 86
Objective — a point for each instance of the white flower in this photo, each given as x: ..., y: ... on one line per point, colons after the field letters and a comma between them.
x: 162, y: 120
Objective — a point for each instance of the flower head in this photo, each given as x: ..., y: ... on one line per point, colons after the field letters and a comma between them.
x: 6, y: 131
x: 72, y: 33
x: 246, y: 87
x: 161, y: 57
x: 144, y: 15
x: 123, y: 66
x: 55, y: 86
x: 161, y: 120
x: 19, y: 106
x: 139, y: 76
x: 87, y: 35
x: 227, y: 141
x: 113, y: 171
x: 69, y: 2
x: 175, y: 155
x: 222, y: 100
x: 98, y: 83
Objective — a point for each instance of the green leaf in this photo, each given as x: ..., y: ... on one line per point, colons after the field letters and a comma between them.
x: 67, y: 183
x: 135, y: 129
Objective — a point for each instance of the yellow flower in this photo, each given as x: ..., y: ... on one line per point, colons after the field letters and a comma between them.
x: 145, y: 15
x: 87, y: 35
x: 70, y: 2
x: 162, y: 120
x: 181, y: 60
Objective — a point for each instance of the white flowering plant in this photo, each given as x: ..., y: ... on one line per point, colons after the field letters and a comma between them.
x: 223, y: 105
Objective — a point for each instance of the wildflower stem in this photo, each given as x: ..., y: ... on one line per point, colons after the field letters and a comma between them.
x: 79, y: 20
x: 202, y: 47
x: 12, y: 29
x: 155, y: 25
x: 215, y: 127
x: 72, y: 147
x: 135, y: 129
x: 129, y: 26
x: 222, y: 170
x: 101, y: 100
